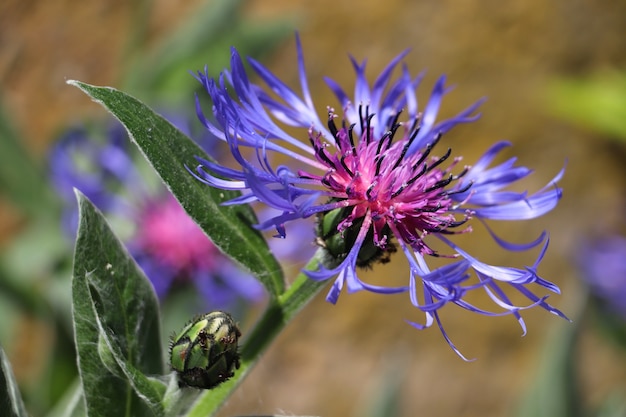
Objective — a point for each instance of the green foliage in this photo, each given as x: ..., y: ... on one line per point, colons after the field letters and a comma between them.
x: 11, y: 404
x: 597, y: 103
x: 275, y: 318
x: 21, y: 176
x: 116, y: 323
x: 115, y: 314
x: 169, y: 152
x: 554, y: 392
x: 204, y: 37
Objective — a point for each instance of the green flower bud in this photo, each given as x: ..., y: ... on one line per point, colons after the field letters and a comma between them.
x: 337, y: 244
x: 205, y: 353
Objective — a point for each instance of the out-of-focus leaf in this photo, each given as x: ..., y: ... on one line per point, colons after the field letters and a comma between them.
x: 203, y: 38
x: 614, y: 406
x: 26, y: 265
x: 597, y: 103
x: 71, y: 404
x: 11, y: 404
x: 384, y: 398
x: 21, y: 178
x: 116, y: 323
x: 169, y: 151
x: 554, y: 392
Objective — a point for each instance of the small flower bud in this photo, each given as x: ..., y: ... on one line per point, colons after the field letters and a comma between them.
x: 204, y: 353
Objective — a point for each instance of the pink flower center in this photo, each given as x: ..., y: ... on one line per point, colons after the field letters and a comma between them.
x: 407, y: 193
x: 167, y: 233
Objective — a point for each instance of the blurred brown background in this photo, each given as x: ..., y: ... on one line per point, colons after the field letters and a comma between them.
x: 333, y: 359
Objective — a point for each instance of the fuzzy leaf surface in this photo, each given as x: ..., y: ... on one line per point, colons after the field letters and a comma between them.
x: 116, y: 323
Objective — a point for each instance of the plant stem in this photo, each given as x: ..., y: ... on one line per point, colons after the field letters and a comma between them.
x: 274, y: 319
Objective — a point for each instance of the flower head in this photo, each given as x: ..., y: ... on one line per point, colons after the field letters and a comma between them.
x: 376, y: 175
x: 171, y: 249
x: 603, y: 265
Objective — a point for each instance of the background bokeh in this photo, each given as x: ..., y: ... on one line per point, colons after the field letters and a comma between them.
x: 337, y: 360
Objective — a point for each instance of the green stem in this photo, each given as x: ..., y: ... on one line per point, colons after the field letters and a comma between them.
x: 274, y: 319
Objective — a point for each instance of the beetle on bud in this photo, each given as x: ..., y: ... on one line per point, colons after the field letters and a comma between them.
x: 205, y: 353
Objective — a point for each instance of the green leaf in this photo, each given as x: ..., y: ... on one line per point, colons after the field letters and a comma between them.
x: 169, y: 151
x: 554, y: 392
x: 177, y: 401
x: 11, y: 404
x: 71, y: 404
x: 204, y: 37
x: 21, y: 178
x: 386, y: 398
x: 198, y: 33
x: 150, y: 390
x: 116, y: 323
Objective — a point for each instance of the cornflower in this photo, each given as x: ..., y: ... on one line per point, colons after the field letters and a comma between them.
x: 375, y: 179
x: 171, y: 249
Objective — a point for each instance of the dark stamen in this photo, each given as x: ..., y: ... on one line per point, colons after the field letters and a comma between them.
x: 462, y: 173
x: 322, y: 154
x: 332, y: 126
x: 350, y: 135
x: 444, y: 228
x: 379, y: 163
x: 430, y: 210
x: 410, y: 181
x: 343, y: 164
x: 382, y: 140
x: 440, y: 184
x: 387, y: 138
x: 440, y: 160
x: 428, y: 149
x: 394, y: 121
x: 419, y: 174
x: 461, y: 190
x: 402, y: 154
x: 361, y: 117
x: 368, y: 136
x: 368, y: 193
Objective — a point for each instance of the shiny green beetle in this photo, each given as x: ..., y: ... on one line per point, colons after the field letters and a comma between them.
x: 205, y: 353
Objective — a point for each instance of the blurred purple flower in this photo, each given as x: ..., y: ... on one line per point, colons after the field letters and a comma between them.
x: 167, y: 244
x: 603, y: 266
x: 372, y: 177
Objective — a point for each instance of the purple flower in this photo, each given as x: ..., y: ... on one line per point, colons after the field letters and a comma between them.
x: 376, y: 177
x: 603, y: 266
x: 171, y: 249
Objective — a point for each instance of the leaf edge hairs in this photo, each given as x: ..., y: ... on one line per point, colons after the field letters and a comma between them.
x: 205, y: 352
